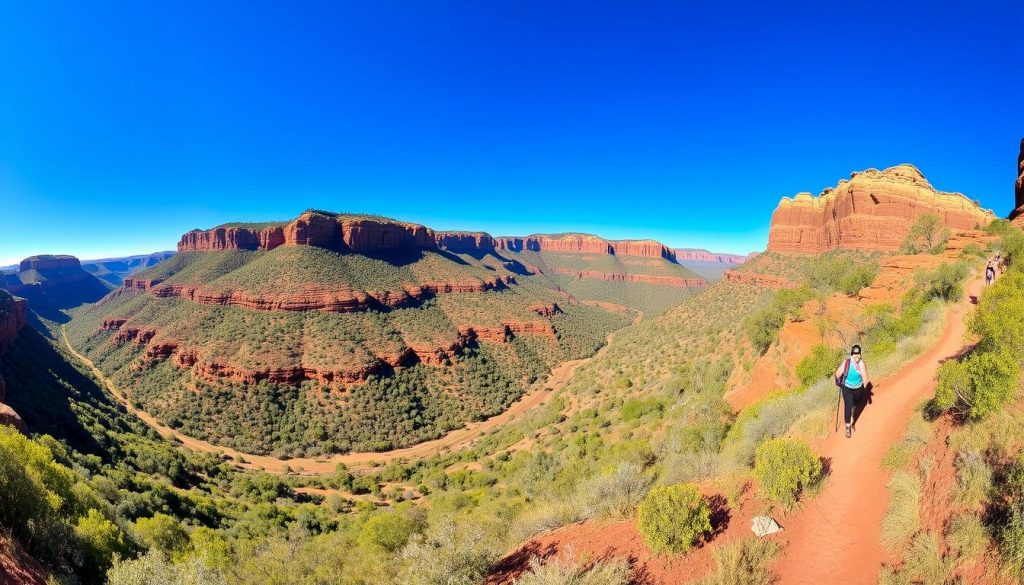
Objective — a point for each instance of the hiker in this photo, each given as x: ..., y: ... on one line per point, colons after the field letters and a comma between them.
x: 852, y: 378
x: 990, y: 274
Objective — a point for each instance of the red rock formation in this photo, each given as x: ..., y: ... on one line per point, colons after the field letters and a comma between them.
x: 47, y: 262
x: 585, y: 244
x: 318, y: 299
x: 1018, y: 192
x: 622, y: 277
x: 13, y: 316
x: 546, y: 309
x: 465, y: 241
x: 766, y: 280
x: 701, y: 255
x: 12, y: 419
x: 314, y: 228
x: 874, y: 210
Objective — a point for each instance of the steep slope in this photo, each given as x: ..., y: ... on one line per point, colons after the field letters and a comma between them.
x: 1018, y: 191
x: 332, y: 333
x: 13, y: 317
x: 873, y: 210
x: 53, y: 284
x: 115, y: 270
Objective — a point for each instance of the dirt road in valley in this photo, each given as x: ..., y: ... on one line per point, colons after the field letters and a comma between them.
x: 836, y: 538
x: 452, y: 441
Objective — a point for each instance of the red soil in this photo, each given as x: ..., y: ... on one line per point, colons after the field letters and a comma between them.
x: 17, y: 568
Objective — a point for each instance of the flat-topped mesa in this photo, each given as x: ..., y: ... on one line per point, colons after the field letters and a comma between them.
x: 357, y: 233
x: 586, y: 244
x: 462, y: 242
x: 49, y: 262
x: 702, y: 255
x: 873, y: 210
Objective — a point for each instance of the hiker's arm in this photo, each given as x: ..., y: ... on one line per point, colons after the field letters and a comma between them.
x: 839, y: 370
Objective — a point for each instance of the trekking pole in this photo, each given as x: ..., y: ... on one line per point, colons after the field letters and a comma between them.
x: 838, y: 402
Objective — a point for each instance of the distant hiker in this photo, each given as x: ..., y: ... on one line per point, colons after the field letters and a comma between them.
x: 990, y: 274
x: 852, y: 378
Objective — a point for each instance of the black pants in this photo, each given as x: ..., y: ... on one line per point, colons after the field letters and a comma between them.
x: 851, y: 398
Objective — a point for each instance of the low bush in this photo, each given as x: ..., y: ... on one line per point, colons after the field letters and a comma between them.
x: 763, y: 327
x: 569, y: 572
x: 674, y: 518
x: 857, y: 278
x: 820, y: 363
x: 901, y: 518
x: 945, y: 282
x: 743, y: 562
x: 785, y: 468
x: 978, y: 385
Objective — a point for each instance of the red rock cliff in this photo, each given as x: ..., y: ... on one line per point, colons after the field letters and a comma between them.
x: 701, y: 255
x: 584, y: 243
x: 1018, y: 192
x: 13, y: 316
x: 47, y: 262
x: 312, y: 228
x: 873, y: 210
x: 465, y: 241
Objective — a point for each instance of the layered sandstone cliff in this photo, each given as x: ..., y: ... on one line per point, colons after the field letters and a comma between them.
x: 678, y: 281
x: 13, y: 317
x: 702, y: 255
x: 323, y: 299
x: 586, y: 244
x: 314, y: 228
x: 874, y: 210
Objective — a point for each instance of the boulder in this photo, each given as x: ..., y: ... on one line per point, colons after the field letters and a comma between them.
x: 763, y: 526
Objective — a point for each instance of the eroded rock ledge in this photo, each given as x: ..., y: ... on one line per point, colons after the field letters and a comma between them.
x: 623, y: 277
x: 159, y: 347
x: 765, y: 280
x: 323, y: 299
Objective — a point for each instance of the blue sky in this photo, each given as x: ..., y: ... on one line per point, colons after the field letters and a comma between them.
x: 124, y: 125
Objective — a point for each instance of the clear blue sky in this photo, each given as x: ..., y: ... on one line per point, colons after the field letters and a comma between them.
x: 124, y: 125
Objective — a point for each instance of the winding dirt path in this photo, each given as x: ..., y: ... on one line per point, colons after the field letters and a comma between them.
x: 452, y: 441
x: 836, y: 538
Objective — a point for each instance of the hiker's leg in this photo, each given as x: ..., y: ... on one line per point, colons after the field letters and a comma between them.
x: 848, y: 405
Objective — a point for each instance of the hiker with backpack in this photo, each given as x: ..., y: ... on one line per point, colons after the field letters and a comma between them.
x: 990, y: 274
x: 852, y: 378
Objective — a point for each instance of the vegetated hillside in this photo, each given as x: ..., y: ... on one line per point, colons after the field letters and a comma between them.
x: 115, y: 270
x: 53, y: 284
x: 315, y: 347
x: 873, y: 210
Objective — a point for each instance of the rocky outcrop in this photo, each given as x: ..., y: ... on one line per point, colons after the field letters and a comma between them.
x: 660, y: 280
x: 314, y: 228
x: 323, y: 299
x: 585, y: 244
x: 13, y: 316
x: 1017, y: 215
x: 701, y: 255
x: 11, y: 418
x: 874, y: 210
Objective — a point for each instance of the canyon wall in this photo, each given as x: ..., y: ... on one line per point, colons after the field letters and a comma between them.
x: 701, y: 255
x: 13, y: 317
x: 312, y: 228
x: 874, y: 210
x: 586, y: 244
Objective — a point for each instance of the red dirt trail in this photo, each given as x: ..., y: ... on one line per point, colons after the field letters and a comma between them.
x: 835, y: 538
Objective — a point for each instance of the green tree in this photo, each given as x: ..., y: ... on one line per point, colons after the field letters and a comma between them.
x: 163, y: 533
x: 100, y: 541
x: 673, y: 518
x: 927, y: 234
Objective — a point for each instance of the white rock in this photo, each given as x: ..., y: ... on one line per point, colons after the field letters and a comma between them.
x: 763, y: 526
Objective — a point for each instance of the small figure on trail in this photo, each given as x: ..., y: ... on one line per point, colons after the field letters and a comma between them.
x: 851, y: 377
x: 990, y: 274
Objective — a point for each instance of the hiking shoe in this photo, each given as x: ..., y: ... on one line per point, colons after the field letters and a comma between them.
x: 847, y: 431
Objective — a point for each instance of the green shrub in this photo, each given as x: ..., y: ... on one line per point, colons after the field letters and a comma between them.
x: 857, y: 278
x: 902, y: 518
x: 945, y: 282
x: 1011, y: 540
x: 927, y: 234
x: 763, y: 327
x: 634, y: 408
x: 389, y: 531
x: 999, y: 317
x: 978, y: 385
x: 568, y: 572
x: 785, y: 468
x: 100, y: 541
x: 820, y: 363
x: 674, y: 518
x: 163, y: 533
